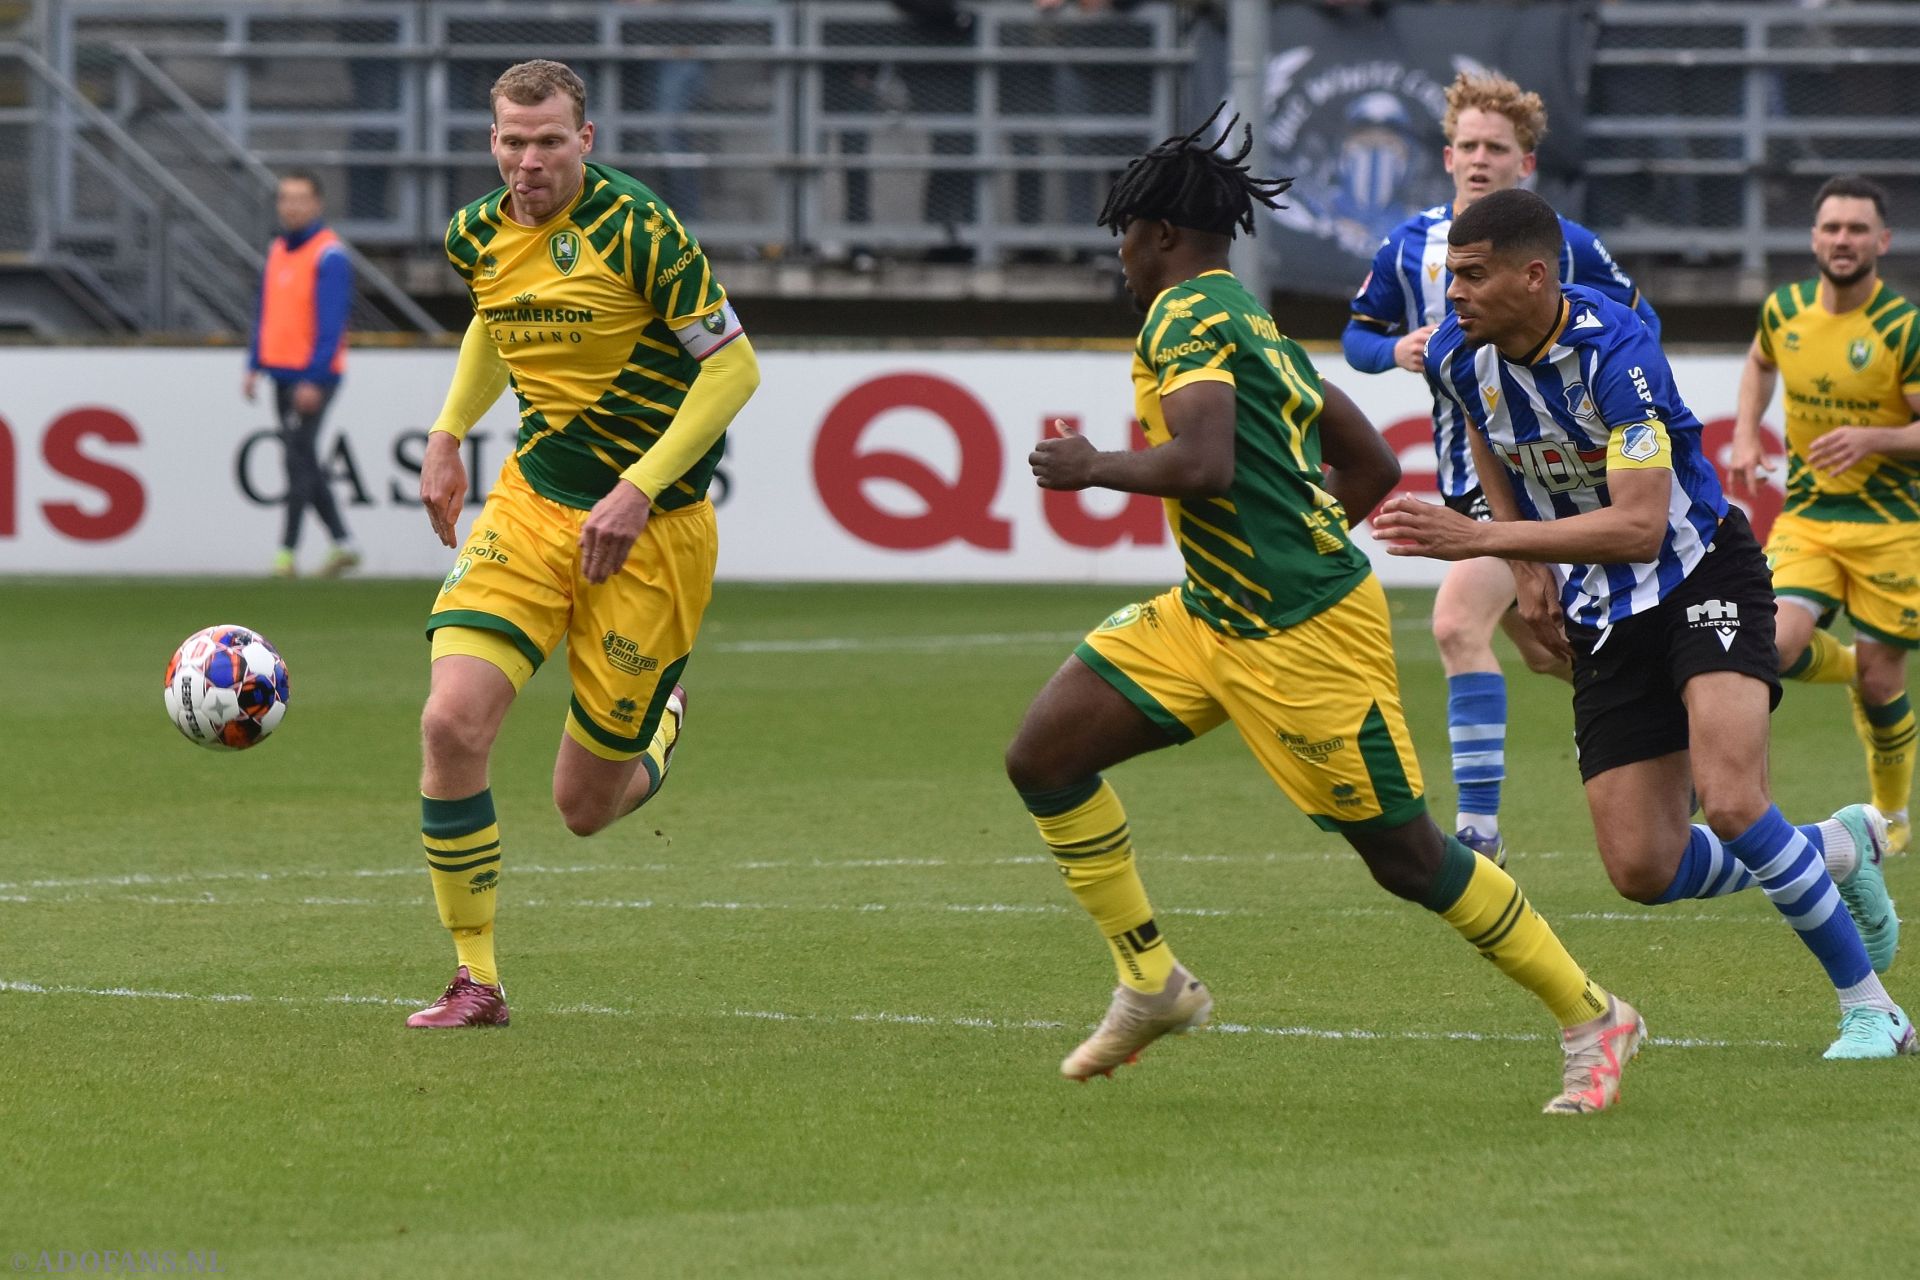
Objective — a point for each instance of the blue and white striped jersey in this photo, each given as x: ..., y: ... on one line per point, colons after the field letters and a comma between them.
x: 1597, y: 392
x: 1407, y: 289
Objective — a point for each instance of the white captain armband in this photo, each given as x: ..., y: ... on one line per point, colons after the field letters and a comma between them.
x: 709, y: 333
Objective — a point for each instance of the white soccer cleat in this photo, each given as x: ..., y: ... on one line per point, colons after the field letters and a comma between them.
x: 1135, y: 1020
x: 1597, y: 1052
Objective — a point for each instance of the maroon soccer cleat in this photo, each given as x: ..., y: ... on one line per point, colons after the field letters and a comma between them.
x: 465, y: 1003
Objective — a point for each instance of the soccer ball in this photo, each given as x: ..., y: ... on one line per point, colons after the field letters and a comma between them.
x: 226, y: 688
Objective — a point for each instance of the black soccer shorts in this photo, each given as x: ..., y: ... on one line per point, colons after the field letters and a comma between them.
x: 1627, y: 678
x: 1472, y: 504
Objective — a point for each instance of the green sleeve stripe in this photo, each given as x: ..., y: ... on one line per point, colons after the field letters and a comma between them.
x: 1143, y: 702
x: 488, y: 622
x: 1909, y: 348
x: 1789, y: 302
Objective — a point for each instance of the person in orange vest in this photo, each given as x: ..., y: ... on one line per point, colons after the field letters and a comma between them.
x: 299, y: 341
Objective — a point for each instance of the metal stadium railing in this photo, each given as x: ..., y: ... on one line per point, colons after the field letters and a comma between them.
x: 1712, y: 125
x: 785, y: 128
x: 840, y: 131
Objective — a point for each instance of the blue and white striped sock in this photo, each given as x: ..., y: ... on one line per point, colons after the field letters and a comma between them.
x: 1706, y: 870
x: 1794, y: 877
x: 1477, y: 728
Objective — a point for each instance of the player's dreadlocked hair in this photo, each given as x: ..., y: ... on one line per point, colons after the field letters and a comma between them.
x: 1194, y: 183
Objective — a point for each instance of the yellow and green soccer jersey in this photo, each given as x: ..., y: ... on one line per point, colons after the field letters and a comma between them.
x: 1275, y: 550
x: 583, y: 309
x: 1855, y: 369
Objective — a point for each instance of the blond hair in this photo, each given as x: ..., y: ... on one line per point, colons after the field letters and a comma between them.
x: 1493, y: 93
x: 531, y: 83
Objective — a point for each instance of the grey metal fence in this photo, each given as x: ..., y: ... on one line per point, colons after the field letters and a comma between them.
x: 1712, y: 125
x: 842, y: 130
x: 815, y: 128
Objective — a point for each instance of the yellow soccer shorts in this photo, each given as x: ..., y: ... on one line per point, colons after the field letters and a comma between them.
x: 628, y: 638
x: 1318, y: 703
x: 1870, y: 570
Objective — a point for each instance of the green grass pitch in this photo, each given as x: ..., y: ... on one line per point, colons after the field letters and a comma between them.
x: 801, y: 1017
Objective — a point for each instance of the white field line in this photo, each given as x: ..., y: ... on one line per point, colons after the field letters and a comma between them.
x: 939, y: 643
x: 621, y: 904
x: 142, y: 880
x: 898, y: 644
x: 1348, y: 1035
x: 964, y: 908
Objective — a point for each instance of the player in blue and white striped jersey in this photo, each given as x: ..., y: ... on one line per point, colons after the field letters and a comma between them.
x: 1629, y: 561
x: 1492, y: 127
x: 1547, y: 415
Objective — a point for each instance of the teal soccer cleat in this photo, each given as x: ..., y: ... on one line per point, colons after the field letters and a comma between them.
x: 1872, y: 1033
x: 1865, y: 891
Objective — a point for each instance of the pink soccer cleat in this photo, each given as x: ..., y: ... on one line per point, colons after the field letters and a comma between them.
x: 1596, y: 1053
x: 465, y: 1003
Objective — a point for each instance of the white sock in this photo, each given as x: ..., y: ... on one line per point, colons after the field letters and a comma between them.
x: 1836, y: 846
x: 1487, y: 824
x: 1866, y: 994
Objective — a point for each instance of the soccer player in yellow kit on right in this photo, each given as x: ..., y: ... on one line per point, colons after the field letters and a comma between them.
x: 1280, y: 628
x: 1848, y: 537
x: 628, y: 364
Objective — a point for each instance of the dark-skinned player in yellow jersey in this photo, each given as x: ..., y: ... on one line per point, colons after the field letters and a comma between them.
x: 1280, y: 628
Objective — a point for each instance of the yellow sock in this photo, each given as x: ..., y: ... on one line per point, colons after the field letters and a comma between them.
x: 1825, y: 661
x: 658, y: 755
x: 1488, y: 910
x: 1086, y: 831
x: 1888, y: 732
x: 463, y: 859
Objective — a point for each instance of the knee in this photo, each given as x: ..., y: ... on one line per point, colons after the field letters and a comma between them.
x: 1452, y: 635
x: 1030, y: 769
x: 448, y: 732
x: 1403, y: 861
x: 1402, y: 877
x: 1639, y: 879
x: 1729, y: 813
x: 1464, y: 641
x: 583, y: 816
x: 1879, y: 686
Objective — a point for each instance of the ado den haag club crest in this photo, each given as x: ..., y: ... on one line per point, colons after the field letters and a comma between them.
x: 1859, y: 353
x: 564, y: 248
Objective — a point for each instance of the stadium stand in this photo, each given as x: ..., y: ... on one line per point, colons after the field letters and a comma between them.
x: 958, y: 147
